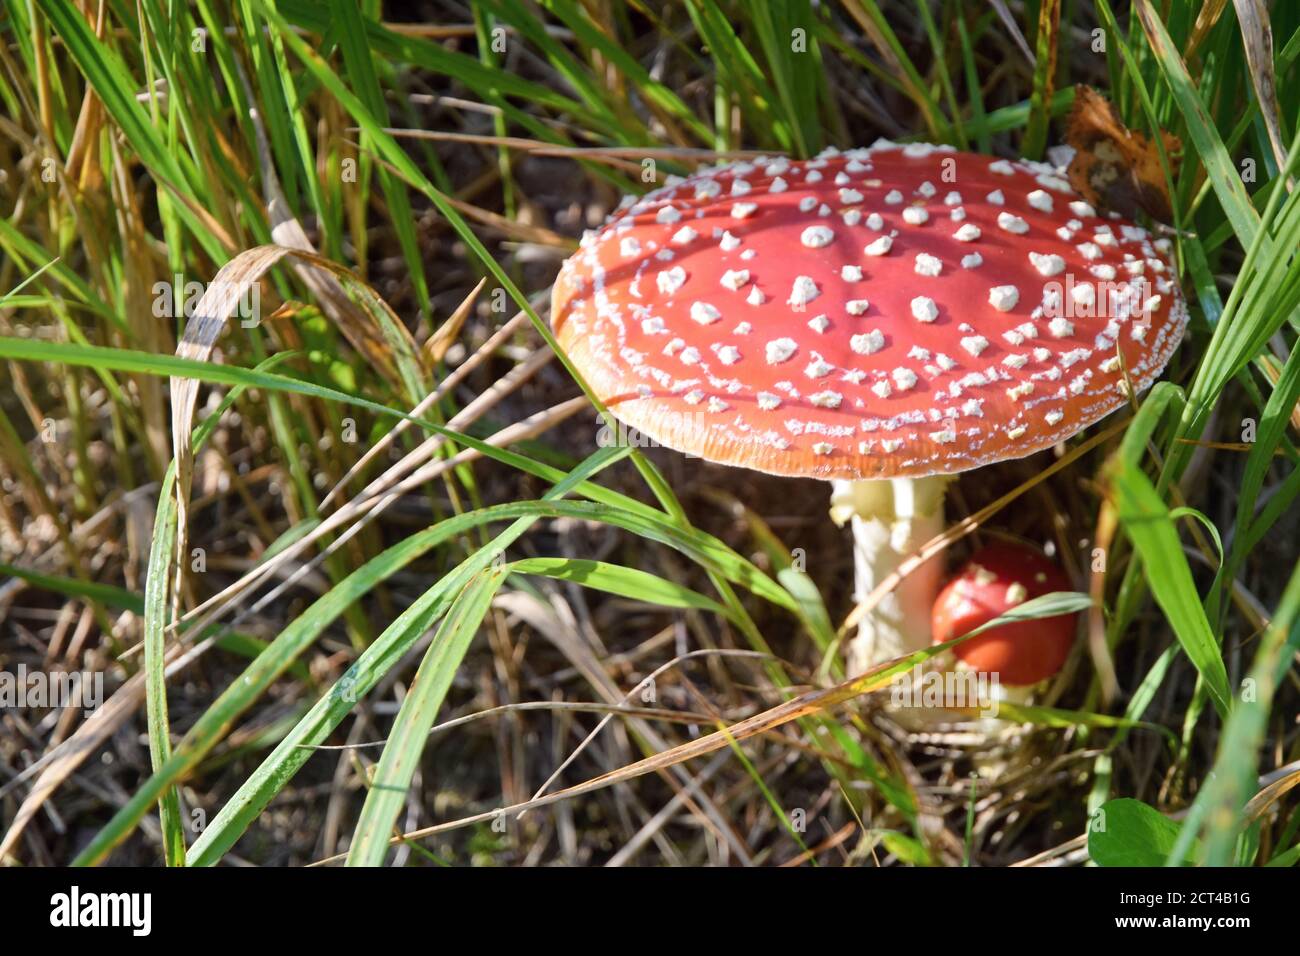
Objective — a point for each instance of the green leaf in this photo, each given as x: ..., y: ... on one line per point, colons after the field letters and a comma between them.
x: 1127, y: 832
x: 907, y: 848
x: 1286, y: 858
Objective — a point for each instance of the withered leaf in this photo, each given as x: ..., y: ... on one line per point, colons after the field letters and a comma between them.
x: 1114, y: 168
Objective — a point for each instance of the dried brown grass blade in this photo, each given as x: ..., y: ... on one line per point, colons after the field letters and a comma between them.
x: 444, y: 387
x: 1103, y: 662
x: 1013, y: 28
x: 287, y: 230
x: 1208, y: 16
x: 521, y: 231
x: 886, y: 52
x: 435, y: 349
x: 612, y: 155
x: 1274, y: 786
x: 219, y: 302
x: 805, y: 705
x: 57, y: 765
x: 1257, y: 37
x: 366, y: 507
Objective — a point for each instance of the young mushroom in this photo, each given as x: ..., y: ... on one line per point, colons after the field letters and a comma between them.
x: 881, y: 318
x: 995, y: 580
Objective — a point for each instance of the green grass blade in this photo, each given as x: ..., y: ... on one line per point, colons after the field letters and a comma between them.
x: 112, y: 81
x: 1152, y: 530
x: 277, y: 657
x: 792, y: 71
x: 1049, y: 24
x: 1232, y: 780
x: 577, y: 19
x: 410, y: 729
x: 631, y: 583
x: 157, y: 596
x: 589, y: 87
x: 387, y: 650
x: 486, y: 82
x: 741, y: 75
x: 105, y: 594
x: 1211, y: 152
x: 361, y: 70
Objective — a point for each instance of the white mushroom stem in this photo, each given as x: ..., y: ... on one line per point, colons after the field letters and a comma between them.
x: 891, y: 519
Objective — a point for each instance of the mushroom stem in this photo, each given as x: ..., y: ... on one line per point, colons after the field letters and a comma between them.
x: 891, y: 519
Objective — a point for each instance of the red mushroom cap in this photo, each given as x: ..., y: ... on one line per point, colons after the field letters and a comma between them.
x: 891, y: 311
x: 995, y: 580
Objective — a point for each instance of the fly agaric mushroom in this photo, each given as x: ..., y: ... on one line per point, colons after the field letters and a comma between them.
x: 995, y: 580
x: 882, y: 318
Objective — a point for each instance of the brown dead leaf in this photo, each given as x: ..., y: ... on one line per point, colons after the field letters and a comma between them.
x: 1115, y: 168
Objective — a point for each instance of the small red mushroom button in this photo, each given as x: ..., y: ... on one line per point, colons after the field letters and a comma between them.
x: 995, y: 580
